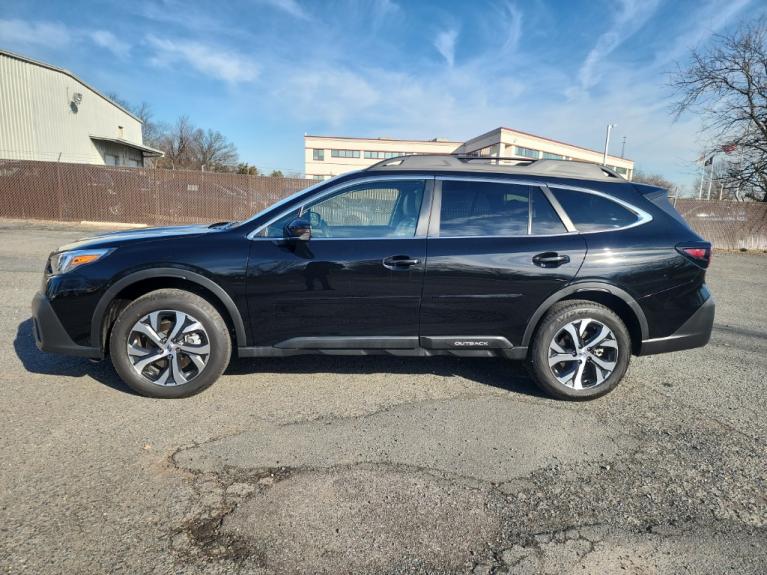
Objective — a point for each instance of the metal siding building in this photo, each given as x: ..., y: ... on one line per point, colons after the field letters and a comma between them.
x: 47, y: 113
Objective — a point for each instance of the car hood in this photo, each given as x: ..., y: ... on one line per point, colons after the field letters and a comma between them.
x: 114, y: 239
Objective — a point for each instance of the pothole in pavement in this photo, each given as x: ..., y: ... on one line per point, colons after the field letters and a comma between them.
x: 449, y: 488
x: 413, y: 487
x: 485, y: 438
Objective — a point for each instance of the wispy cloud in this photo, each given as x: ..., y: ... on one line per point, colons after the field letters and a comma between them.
x: 41, y: 33
x: 107, y: 40
x: 629, y: 18
x: 217, y: 63
x: 445, y: 44
x: 291, y: 7
x: 511, y: 20
x: 707, y: 19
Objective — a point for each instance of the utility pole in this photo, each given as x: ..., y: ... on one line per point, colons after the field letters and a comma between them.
x: 623, y: 147
x: 607, y: 142
x: 710, y: 179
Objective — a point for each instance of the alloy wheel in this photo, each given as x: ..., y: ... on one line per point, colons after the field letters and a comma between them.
x: 583, y: 354
x: 168, y: 347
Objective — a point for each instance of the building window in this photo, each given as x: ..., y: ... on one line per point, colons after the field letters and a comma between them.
x: 375, y: 155
x: 526, y: 152
x: 318, y: 155
x: 487, y: 151
x: 345, y: 153
x: 550, y: 156
x: 317, y: 177
x: 620, y: 170
x: 111, y: 159
x: 132, y: 163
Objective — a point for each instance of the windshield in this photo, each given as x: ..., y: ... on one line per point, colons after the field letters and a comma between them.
x: 292, y: 197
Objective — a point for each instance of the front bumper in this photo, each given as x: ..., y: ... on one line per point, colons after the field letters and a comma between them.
x: 695, y: 332
x: 51, y: 336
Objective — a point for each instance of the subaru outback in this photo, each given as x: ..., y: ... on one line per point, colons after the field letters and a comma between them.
x: 561, y: 264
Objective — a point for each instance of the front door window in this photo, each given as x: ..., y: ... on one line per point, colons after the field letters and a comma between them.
x: 372, y: 210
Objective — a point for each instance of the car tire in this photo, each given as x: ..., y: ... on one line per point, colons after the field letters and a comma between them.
x: 591, y: 367
x: 194, y: 357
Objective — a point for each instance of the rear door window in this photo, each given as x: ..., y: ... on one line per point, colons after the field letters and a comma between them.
x: 593, y: 213
x: 483, y: 209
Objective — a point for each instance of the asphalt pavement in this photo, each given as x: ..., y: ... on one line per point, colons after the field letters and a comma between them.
x: 381, y: 464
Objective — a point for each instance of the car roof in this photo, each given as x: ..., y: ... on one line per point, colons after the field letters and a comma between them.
x: 485, y: 164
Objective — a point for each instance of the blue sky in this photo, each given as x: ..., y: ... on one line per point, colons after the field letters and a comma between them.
x: 264, y: 72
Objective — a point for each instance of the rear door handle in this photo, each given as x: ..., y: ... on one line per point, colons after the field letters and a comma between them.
x: 550, y: 260
x: 399, y: 262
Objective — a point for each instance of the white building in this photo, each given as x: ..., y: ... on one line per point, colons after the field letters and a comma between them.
x: 49, y: 114
x: 326, y: 156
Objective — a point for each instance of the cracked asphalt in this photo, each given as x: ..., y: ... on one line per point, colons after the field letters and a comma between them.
x: 384, y: 465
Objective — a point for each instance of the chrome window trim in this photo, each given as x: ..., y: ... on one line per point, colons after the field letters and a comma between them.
x: 338, y: 188
x: 642, y: 216
x: 560, y: 211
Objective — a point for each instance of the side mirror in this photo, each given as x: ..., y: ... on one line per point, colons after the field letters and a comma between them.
x: 299, y: 229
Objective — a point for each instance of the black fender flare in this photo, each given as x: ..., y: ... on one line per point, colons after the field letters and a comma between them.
x: 580, y: 287
x: 194, y: 277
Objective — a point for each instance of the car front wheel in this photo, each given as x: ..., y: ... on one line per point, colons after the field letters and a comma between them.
x: 170, y: 343
x: 581, y: 350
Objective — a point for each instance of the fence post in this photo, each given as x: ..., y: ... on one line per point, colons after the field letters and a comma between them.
x: 59, y: 189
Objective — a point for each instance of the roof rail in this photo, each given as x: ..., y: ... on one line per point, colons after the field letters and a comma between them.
x: 514, y: 165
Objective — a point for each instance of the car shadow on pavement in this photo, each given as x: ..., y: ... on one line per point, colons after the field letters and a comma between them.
x: 495, y: 372
x: 36, y: 361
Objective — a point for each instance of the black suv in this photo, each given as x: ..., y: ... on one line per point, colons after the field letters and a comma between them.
x: 562, y: 264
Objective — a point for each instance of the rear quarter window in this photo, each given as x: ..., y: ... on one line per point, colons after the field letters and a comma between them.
x: 593, y: 213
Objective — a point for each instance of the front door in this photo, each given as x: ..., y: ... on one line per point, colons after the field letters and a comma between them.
x: 497, y: 250
x: 354, y: 281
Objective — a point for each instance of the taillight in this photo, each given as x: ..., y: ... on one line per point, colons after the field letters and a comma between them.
x: 700, y: 254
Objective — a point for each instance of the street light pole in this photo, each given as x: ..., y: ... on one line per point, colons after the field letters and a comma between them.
x: 607, y: 142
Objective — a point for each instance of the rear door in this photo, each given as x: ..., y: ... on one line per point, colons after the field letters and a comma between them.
x: 497, y: 249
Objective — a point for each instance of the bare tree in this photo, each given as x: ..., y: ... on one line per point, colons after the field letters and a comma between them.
x: 213, y: 152
x: 727, y: 84
x: 246, y: 168
x: 150, y: 130
x: 178, y: 143
x: 653, y: 180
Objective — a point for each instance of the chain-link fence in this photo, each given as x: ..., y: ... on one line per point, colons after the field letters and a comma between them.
x: 727, y: 224
x: 77, y: 192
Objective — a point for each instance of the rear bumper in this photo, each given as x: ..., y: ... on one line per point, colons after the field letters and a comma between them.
x: 695, y: 332
x: 51, y: 336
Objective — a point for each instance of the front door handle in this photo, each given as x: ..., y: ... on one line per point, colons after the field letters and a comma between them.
x: 399, y: 262
x: 550, y: 260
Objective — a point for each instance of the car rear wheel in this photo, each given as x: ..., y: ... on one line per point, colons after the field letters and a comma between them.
x: 170, y: 343
x: 581, y: 350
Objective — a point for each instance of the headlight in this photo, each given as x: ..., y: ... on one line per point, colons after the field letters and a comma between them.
x: 67, y: 261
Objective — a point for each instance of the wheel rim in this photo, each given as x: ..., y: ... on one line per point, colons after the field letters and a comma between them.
x: 168, y: 347
x: 583, y: 354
